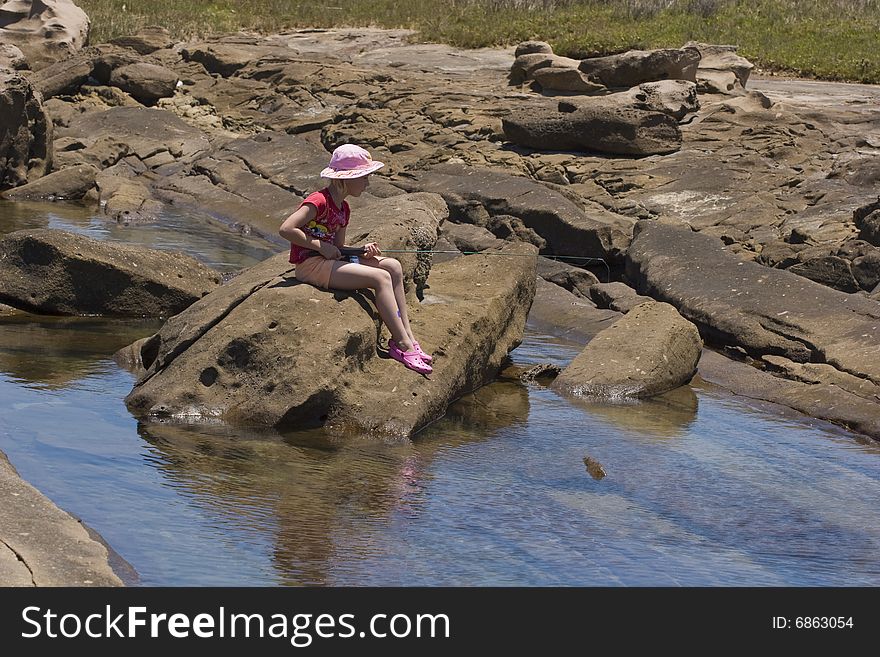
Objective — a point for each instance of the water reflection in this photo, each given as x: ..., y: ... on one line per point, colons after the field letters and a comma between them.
x: 665, y: 416
x: 321, y: 496
x: 55, y: 352
x: 329, y: 499
x: 209, y: 241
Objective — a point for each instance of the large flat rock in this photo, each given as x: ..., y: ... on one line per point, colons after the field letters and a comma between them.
x: 41, y: 545
x: 268, y: 350
x: 764, y: 311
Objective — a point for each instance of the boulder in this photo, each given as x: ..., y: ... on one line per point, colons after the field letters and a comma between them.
x: 634, y: 67
x: 26, y: 132
x: 650, y: 350
x: 241, y: 354
x: 126, y: 199
x: 866, y: 270
x: 526, y: 65
x: 70, y: 184
x: 601, y: 124
x: 66, y: 76
x: 146, y: 83
x: 677, y: 98
x: 763, y: 311
x: 12, y: 57
x: 529, y: 47
x: 61, y: 273
x: 721, y: 70
x: 47, y: 31
x: 867, y: 220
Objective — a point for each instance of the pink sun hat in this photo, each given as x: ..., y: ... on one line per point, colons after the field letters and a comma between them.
x: 350, y: 161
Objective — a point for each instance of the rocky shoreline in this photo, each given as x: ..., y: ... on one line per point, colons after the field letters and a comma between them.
x: 714, y: 212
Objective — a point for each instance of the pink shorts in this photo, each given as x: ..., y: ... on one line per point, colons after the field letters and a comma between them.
x: 316, y: 271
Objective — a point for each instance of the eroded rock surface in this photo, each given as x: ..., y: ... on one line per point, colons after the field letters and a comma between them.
x: 61, y: 273
x: 650, y: 350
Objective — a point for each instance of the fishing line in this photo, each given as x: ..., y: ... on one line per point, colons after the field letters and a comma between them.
x: 360, y: 250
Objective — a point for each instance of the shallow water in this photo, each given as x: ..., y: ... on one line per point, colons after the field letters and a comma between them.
x: 701, y: 488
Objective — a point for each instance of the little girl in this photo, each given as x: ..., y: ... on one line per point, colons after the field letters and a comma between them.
x: 316, y: 232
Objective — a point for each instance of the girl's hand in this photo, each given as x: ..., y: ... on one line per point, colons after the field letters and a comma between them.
x: 372, y: 250
x: 329, y: 251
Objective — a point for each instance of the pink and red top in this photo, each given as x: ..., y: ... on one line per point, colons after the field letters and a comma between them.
x: 324, y: 226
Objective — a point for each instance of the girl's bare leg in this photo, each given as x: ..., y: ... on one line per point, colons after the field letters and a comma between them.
x: 393, y: 267
x: 349, y: 276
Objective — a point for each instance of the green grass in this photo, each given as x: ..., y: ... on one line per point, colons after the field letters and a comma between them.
x: 829, y: 39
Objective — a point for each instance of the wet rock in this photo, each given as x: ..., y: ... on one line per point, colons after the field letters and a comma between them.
x: 126, y: 200
x: 650, y: 350
x: 247, y: 367
x: 45, y: 30
x: 594, y: 468
x: 25, y: 132
x: 556, y: 311
x: 71, y: 183
x: 543, y: 373
x: 57, y: 272
x: 48, y: 547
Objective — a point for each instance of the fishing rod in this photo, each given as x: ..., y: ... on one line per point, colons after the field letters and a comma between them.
x: 360, y: 250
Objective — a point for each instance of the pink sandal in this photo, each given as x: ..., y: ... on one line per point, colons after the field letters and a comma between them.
x: 427, y: 358
x: 410, y: 359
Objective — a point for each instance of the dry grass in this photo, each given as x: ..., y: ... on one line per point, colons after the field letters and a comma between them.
x: 832, y: 39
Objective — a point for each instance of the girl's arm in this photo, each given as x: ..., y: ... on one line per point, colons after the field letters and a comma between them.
x: 339, y: 238
x: 292, y: 230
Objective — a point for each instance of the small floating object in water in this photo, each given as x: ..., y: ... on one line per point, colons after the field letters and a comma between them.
x: 594, y: 468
